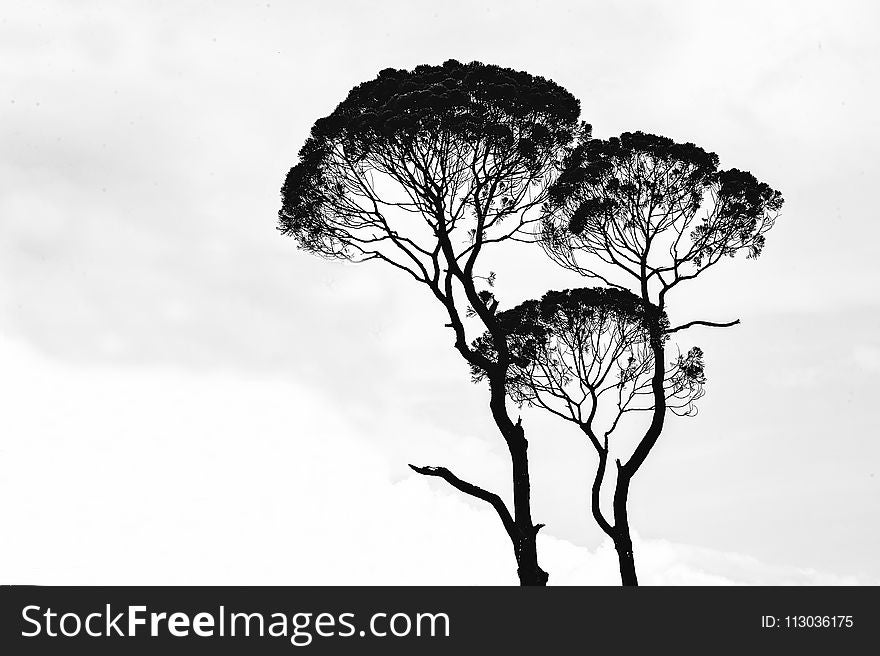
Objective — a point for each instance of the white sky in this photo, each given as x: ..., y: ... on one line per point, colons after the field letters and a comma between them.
x: 163, y: 347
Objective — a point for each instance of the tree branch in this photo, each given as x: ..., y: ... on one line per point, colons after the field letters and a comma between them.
x: 474, y: 491
x: 712, y: 324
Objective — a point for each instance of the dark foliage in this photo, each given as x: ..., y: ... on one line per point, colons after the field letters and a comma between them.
x: 572, y: 348
x: 659, y: 210
x: 455, y: 136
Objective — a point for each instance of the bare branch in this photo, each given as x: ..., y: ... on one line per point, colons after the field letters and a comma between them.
x: 474, y: 491
x: 712, y: 324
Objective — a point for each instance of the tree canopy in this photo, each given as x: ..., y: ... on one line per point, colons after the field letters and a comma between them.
x: 448, y: 145
x: 586, y: 356
x: 660, y: 211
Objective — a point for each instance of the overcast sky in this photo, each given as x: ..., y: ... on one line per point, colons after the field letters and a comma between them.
x: 189, y: 398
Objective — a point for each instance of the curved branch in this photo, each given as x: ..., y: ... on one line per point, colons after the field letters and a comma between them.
x: 474, y: 491
x: 596, y: 504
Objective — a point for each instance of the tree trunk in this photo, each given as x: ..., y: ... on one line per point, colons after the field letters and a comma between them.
x: 622, y: 540
x: 530, y: 573
x: 621, y: 537
x: 525, y: 542
x: 626, y: 559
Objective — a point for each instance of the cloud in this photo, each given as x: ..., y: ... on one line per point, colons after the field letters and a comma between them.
x: 661, y: 562
x: 163, y: 476
x: 866, y: 357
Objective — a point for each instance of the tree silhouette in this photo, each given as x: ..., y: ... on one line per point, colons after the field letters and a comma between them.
x: 659, y: 211
x: 424, y: 170
x: 585, y: 355
x: 646, y: 210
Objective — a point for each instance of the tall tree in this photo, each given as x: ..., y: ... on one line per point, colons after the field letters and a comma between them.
x: 644, y: 212
x: 424, y: 170
x: 586, y: 356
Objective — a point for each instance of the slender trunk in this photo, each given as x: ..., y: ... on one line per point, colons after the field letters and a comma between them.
x: 596, y: 493
x: 622, y: 540
x: 626, y: 560
x: 621, y: 533
x: 525, y: 538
